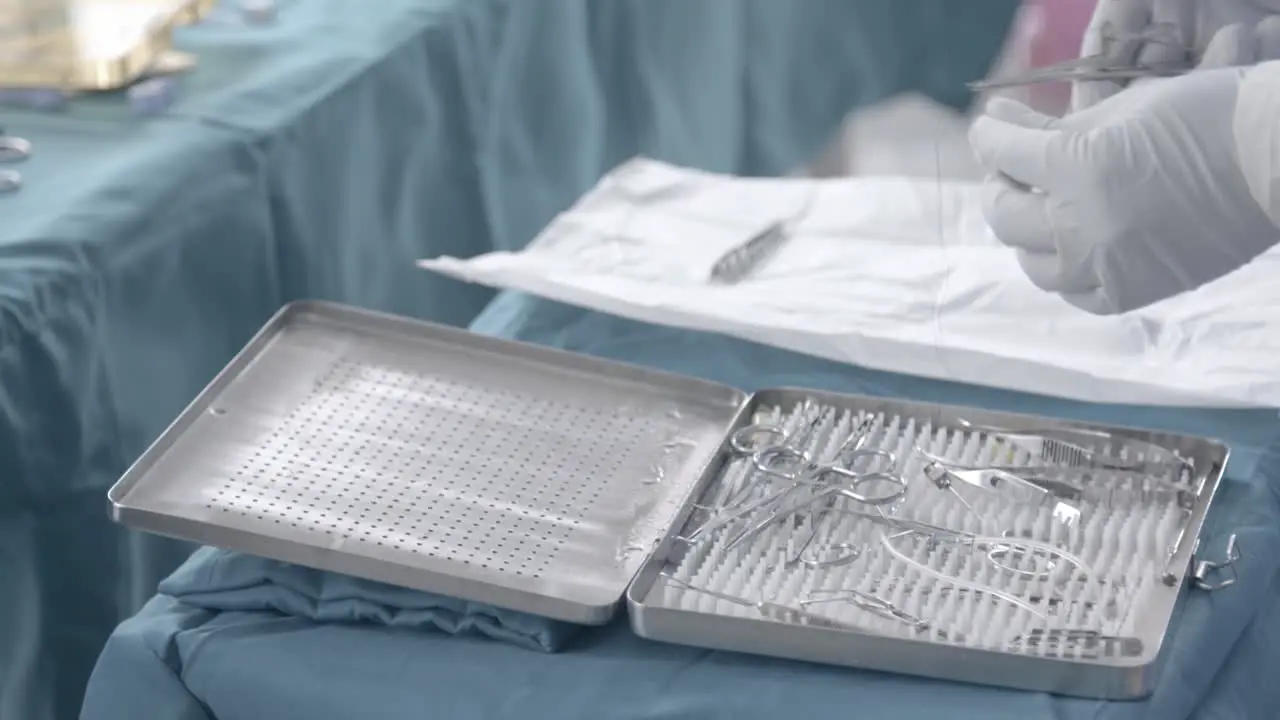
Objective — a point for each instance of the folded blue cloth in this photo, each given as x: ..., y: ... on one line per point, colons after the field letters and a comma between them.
x: 227, y: 581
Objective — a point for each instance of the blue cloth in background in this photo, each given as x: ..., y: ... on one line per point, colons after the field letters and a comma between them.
x: 222, y: 580
x: 137, y: 258
x: 318, y: 157
x: 751, y: 87
x: 236, y: 665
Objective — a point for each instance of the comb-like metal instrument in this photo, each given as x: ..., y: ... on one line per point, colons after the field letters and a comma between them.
x: 743, y: 260
x: 1080, y: 448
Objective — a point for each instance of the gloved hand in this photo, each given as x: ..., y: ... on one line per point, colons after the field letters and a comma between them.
x: 1134, y: 200
x: 1204, y: 33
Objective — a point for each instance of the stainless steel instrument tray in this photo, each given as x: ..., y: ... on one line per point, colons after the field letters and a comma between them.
x: 1108, y: 677
x: 432, y: 458
x: 550, y: 483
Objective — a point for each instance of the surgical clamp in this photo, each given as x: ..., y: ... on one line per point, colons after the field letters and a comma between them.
x: 1099, y: 66
x: 831, y: 478
x: 768, y: 610
x: 772, y: 453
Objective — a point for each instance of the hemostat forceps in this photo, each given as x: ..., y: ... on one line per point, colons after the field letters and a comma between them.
x: 776, y: 456
x: 876, y: 606
x: 801, y: 616
x: 769, y: 610
x: 773, y: 454
x: 1101, y: 66
x: 1005, y: 552
x: 825, y: 481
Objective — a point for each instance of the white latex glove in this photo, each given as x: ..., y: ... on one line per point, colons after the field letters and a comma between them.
x: 1207, y: 33
x: 1131, y: 201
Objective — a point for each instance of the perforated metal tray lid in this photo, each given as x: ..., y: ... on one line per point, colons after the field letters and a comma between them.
x: 432, y: 458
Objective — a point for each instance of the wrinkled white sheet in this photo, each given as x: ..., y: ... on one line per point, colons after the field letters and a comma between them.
x: 889, y: 273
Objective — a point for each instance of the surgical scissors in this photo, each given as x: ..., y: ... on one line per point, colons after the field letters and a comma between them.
x: 782, y: 613
x: 1005, y: 553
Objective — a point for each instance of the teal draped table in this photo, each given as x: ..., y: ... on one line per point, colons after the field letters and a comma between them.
x: 319, y: 157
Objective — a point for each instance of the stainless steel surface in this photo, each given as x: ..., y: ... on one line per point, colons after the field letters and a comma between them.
x: 432, y: 458
x: 1112, y: 674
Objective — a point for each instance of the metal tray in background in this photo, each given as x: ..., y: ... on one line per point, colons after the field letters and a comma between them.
x: 433, y: 458
x: 125, y: 38
x: 1110, y: 678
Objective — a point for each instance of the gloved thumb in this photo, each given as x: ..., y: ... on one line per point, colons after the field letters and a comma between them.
x: 1015, y: 113
x: 1243, y: 44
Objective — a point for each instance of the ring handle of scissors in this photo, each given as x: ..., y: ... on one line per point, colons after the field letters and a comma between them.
x: 10, y: 181
x: 847, y: 482
x: 757, y: 438
x: 998, y: 553
x: 14, y: 149
x: 848, y: 459
x: 850, y: 552
x: 783, y: 462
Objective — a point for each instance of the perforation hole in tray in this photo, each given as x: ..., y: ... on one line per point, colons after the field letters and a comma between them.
x: 388, y: 456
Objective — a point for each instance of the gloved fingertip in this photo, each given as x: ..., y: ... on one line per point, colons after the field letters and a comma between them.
x: 984, y: 140
x: 1016, y: 113
x: 1045, y: 271
x: 1094, y: 302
